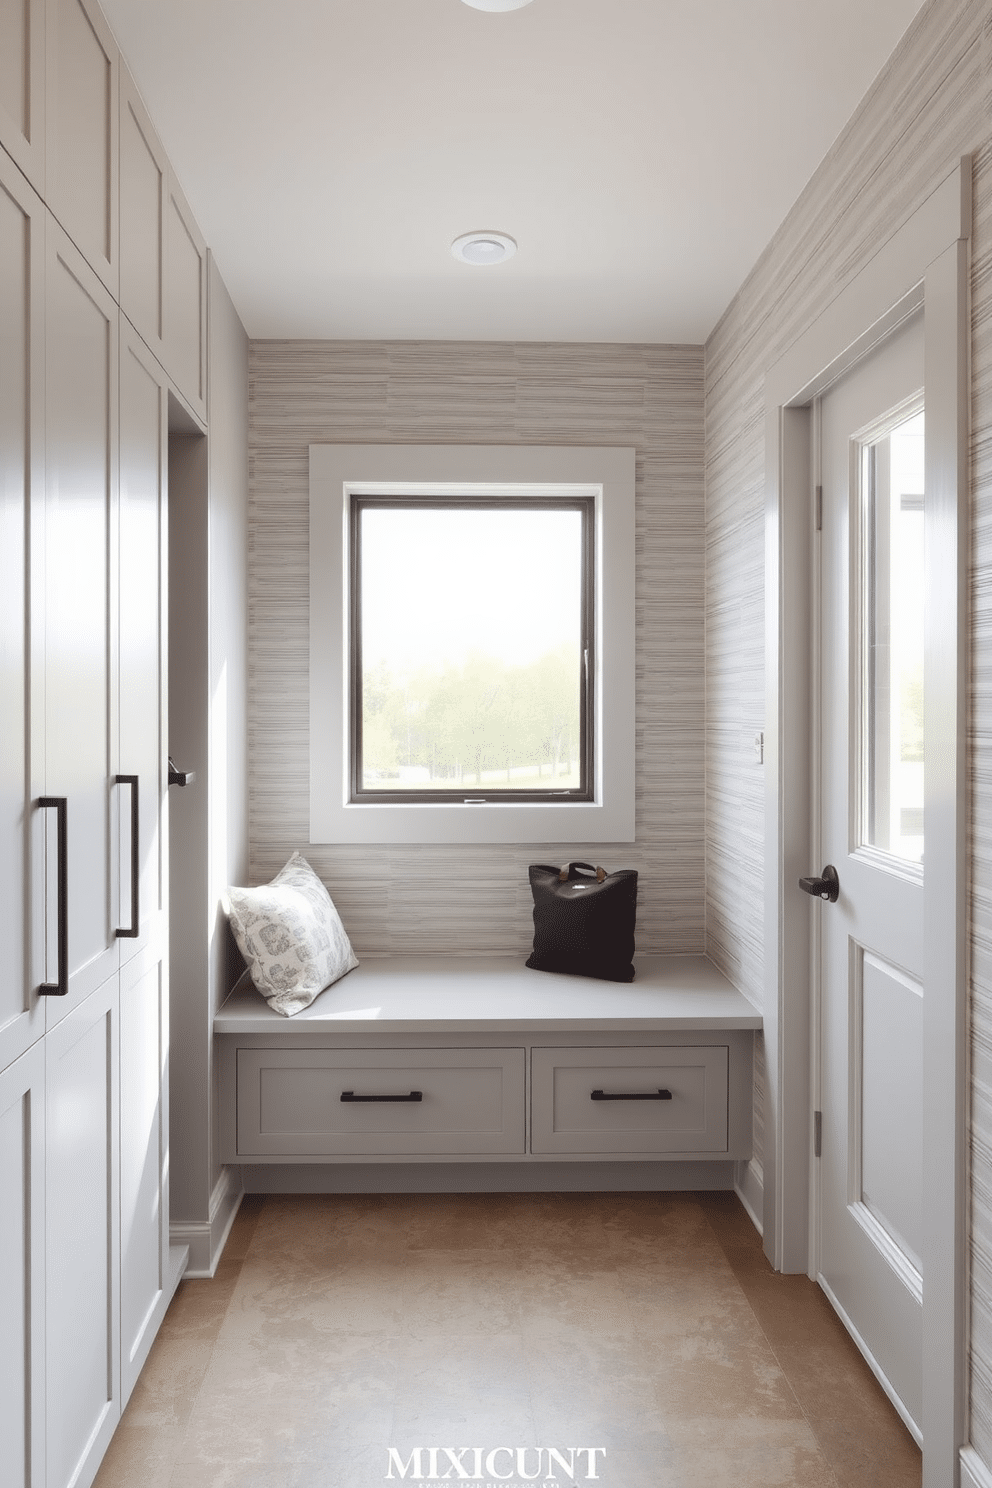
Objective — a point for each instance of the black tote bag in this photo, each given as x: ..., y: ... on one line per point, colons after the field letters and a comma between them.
x: 584, y: 920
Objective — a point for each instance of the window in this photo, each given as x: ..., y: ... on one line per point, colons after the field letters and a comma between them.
x: 893, y: 582
x: 472, y: 658
x: 471, y: 644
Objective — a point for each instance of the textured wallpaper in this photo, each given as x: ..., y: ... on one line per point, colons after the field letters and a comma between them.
x: 930, y: 105
x: 475, y: 899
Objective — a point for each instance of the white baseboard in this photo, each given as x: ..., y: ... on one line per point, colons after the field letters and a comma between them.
x: 749, y: 1186
x: 550, y: 1177
x: 974, y: 1473
x: 206, y: 1238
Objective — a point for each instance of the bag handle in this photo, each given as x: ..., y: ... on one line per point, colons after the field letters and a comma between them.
x: 566, y: 872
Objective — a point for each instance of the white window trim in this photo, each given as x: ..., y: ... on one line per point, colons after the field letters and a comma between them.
x: 337, y: 471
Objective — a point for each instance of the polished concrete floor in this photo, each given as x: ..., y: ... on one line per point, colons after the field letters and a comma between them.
x: 650, y: 1325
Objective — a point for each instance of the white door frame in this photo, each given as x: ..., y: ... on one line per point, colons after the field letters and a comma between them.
x: 924, y: 263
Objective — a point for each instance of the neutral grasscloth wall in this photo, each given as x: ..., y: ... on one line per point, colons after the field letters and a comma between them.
x: 930, y: 105
x: 456, y: 898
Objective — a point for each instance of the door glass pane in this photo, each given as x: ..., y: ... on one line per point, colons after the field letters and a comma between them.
x: 892, y: 663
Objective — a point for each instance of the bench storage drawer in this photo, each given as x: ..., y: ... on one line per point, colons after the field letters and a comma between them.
x: 290, y: 1102
x: 630, y: 1100
x: 506, y: 1060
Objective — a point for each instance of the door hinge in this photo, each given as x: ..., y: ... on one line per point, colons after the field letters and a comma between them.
x: 818, y: 508
x: 817, y: 1133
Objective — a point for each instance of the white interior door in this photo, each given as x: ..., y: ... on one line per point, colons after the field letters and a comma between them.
x: 871, y: 818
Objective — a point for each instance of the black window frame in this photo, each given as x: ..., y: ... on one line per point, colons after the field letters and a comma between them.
x: 360, y: 795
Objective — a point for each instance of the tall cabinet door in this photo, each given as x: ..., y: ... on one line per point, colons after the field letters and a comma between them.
x: 142, y: 556
x: 22, y: 243
x: 22, y: 1269
x: 144, y: 174
x: 81, y: 734
x: 185, y: 347
x: 143, y: 849
x: 22, y: 86
x: 82, y: 1260
x: 144, y: 1142
x: 81, y: 130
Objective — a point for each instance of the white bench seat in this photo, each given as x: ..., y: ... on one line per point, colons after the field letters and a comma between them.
x: 475, y: 1060
x: 498, y: 994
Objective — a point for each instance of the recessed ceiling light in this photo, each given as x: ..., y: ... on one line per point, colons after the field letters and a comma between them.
x: 497, y: 4
x: 481, y: 248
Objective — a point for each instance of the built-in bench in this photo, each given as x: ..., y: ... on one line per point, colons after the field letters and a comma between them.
x: 455, y: 1060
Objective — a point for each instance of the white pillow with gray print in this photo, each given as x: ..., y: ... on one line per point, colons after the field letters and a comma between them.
x: 291, y: 936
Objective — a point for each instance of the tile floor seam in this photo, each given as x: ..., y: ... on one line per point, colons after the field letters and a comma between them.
x: 810, y: 1422
x: 774, y: 1351
x: 822, y: 1444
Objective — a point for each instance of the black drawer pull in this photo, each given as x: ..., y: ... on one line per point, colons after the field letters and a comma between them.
x: 647, y: 1095
x: 415, y: 1095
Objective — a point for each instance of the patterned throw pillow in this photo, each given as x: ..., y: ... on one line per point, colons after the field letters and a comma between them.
x: 291, y: 936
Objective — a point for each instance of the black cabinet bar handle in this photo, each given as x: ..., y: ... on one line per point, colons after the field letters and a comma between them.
x: 61, y: 805
x: 415, y: 1095
x: 132, y: 781
x: 645, y: 1095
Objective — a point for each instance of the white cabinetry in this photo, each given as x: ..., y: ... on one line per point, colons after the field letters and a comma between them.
x: 79, y: 742
x: 649, y: 1099
x: 141, y: 675
x: 22, y: 1269
x: 22, y: 1013
x: 147, y: 1277
x: 163, y: 257
x: 107, y: 1267
x: 85, y: 1267
x: 510, y: 1065
x: 22, y: 86
x: 185, y: 300
x: 22, y: 265
x: 81, y: 154
x: 144, y: 174
x: 82, y: 1385
x: 340, y: 1102
x: 147, y: 1280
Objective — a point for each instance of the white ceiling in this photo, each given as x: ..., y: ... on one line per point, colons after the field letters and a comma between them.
x: 641, y: 152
